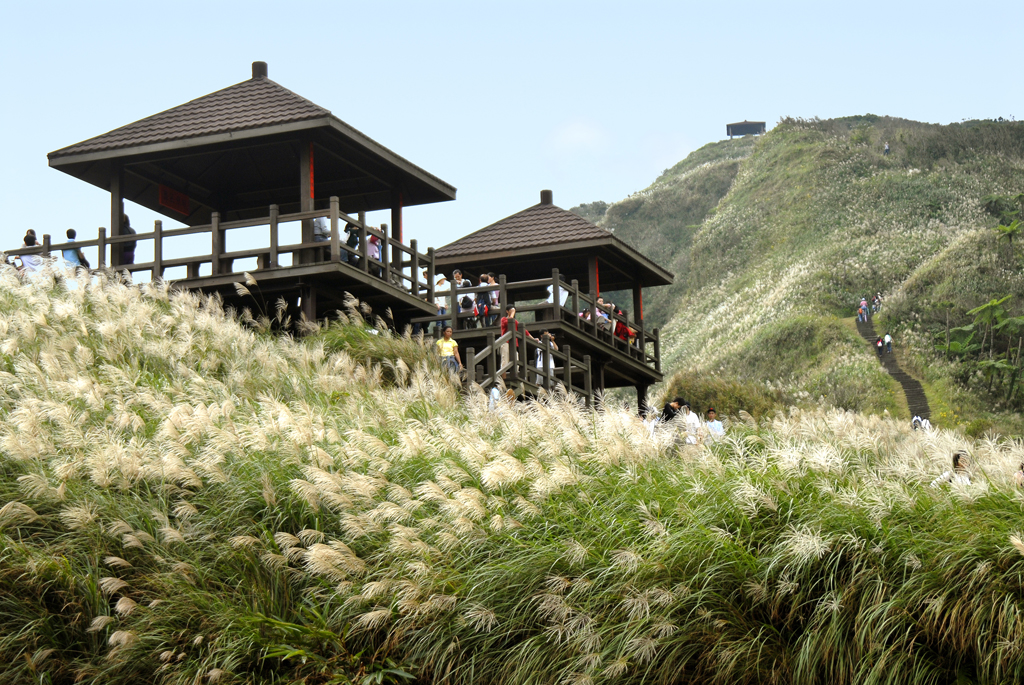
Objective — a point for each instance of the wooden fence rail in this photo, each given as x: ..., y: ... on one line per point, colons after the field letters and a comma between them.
x: 398, y: 265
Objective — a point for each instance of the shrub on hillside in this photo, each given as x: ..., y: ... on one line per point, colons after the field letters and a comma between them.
x: 728, y: 395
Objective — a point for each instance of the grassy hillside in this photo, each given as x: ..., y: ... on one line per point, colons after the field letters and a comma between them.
x: 186, y: 500
x: 660, y: 220
x: 817, y: 217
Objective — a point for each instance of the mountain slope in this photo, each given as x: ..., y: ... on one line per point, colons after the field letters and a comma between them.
x: 816, y: 218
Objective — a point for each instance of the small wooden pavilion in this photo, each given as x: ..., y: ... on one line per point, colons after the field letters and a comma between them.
x: 745, y: 128
x: 255, y: 154
x: 547, y: 252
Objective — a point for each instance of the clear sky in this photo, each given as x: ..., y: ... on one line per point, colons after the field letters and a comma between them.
x: 501, y: 99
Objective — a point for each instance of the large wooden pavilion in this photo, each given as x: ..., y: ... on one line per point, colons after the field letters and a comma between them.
x: 254, y: 154
x: 544, y: 249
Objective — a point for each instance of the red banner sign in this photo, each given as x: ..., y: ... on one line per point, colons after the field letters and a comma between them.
x: 172, y: 199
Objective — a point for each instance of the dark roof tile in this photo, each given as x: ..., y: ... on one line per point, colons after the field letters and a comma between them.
x: 255, y: 103
x: 536, y: 226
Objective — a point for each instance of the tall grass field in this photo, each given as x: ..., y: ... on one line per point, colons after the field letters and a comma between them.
x: 187, y: 499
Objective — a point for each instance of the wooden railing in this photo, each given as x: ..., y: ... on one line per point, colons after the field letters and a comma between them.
x: 557, y: 367
x: 647, y: 346
x: 399, y: 265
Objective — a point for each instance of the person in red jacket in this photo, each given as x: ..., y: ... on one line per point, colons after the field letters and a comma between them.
x: 510, y: 317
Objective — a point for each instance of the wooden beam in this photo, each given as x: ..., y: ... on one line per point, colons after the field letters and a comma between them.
x: 116, y: 209
x: 306, y: 196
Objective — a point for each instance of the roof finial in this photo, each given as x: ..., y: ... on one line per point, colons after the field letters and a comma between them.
x: 259, y: 70
x: 547, y: 197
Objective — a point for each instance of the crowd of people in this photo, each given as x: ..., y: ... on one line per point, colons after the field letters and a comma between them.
x: 678, y: 414
x: 866, y: 309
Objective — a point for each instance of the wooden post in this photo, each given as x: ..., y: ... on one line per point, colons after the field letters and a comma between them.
x: 335, y: 235
x: 576, y: 301
x: 641, y: 398
x: 593, y: 277
x: 492, y: 364
x: 116, y: 211
x: 638, y: 302
x: 567, y: 368
x: 46, y: 244
x: 431, y: 275
x: 101, y: 247
x: 215, y: 242
x: 364, y: 252
x: 396, y: 252
x: 305, y: 198
x: 470, y: 367
x: 453, y: 309
x: 657, y: 350
x: 414, y: 284
x: 587, y: 386
x: 309, y: 302
x: 158, y: 249
x: 396, y: 212
x: 502, y: 296
x: 556, y: 305
x: 274, y: 213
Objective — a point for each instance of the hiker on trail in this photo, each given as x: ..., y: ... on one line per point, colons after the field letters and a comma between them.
x: 860, y: 314
x: 885, y: 152
x: 876, y: 303
x: 73, y: 256
x: 917, y: 423
x: 958, y: 475
x: 864, y: 306
x: 449, y: 350
x: 672, y: 409
x: 715, y: 427
x: 879, y: 346
x: 888, y: 343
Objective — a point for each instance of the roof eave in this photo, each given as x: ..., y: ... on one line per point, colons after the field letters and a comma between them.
x: 445, y: 189
x: 57, y: 160
x: 656, y: 271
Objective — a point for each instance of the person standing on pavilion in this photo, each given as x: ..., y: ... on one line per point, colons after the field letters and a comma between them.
x: 128, y: 248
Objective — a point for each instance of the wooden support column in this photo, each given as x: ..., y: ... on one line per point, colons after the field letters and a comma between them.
x: 274, y: 213
x: 335, y: 229
x: 309, y: 302
x: 431, y: 275
x: 116, y: 211
x: 101, y: 248
x: 216, y: 243
x: 396, y: 252
x: 657, y: 350
x: 641, y: 398
x: 396, y: 213
x: 158, y: 250
x: 306, y: 198
x: 638, y: 302
x: 594, y: 277
x: 587, y: 386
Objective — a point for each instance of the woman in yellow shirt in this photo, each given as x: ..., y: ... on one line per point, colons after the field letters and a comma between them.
x: 449, y: 350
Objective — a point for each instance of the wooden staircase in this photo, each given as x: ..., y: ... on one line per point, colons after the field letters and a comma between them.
x: 916, y: 400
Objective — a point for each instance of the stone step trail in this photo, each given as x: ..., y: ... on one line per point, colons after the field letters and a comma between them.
x: 916, y: 400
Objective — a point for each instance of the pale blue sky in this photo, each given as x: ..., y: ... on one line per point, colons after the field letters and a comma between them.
x: 590, y: 99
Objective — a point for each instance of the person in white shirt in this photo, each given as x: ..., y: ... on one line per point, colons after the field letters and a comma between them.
x: 715, y: 427
x: 467, y: 301
x: 691, y: 423
x: 888, y: 343
x: 32, y: 263
x: 441, y: 288
x: 959, y: 474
